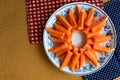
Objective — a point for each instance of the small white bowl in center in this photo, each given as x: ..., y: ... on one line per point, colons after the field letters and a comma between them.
x: 78, y: 39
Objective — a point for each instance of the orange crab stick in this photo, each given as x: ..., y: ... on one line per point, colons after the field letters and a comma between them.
x: 100, y: 48
x: 58, y: 48
x: 92, y: 58
x: 81, y: 20
x: 60, y: 28
x: 62, y: 52
x: 89, y: 61
x: 90, y: 35
x: 74, y: 60
x: 89, y: 17
x: 64, y: 22
x: 57, y: 22
x: 87, y: 29
x: 75, y: 50
x: 58, y: 40
x: 71, y: 18
x: 77, y: 12
x: 101, y: 38
x: 54, y: 32
x: 94, y: 54
x: 66, y: 60
x: 90, y: 41
x: 98, y: 26
x: 82, y: 57
x: 87, y: 46
x: 77, y: 65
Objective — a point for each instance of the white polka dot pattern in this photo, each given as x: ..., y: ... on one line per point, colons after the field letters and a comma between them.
x: 38, y: 11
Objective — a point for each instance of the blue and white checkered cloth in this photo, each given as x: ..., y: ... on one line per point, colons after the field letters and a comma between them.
x: 112, y: 69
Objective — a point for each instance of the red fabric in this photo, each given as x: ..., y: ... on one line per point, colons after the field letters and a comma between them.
x: 38, y: 11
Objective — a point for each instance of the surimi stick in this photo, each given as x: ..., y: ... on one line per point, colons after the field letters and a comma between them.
x: 81, y: 20
x: 82, y: 57
x: 87, y: 46
x: 98, y: 47
x: 89, y: 61
x: 71, y: 18
x: 58, y: 22
x: 90, y: 35
x: 102, y: 38
x: 77, y: 12
x: 58, y: 40
x: 60, y: 28
x: 58, y: 48
x: 92, y: 58
x: 74, y: 60
x: 94, y: 54
x: 77, y: 65
x: 66, y: 60
x: 90, y: 41
x: 62, y: 52
x: 54, y: 32
x: 87, y: 29
x: 75, y: 50
x: 89, y: 17
x: 98, y: 26
x: 64, y: 22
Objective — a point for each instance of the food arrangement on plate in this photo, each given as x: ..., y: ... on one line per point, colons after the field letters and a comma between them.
x: 74, y: 54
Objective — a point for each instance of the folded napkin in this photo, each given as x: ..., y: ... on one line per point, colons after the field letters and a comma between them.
x: 112, y: 69
x: 38, y: 11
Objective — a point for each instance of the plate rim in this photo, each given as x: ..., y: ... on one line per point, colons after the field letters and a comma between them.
x: 91, y: 5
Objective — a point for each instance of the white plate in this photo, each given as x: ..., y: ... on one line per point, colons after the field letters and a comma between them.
x: 108, y: 29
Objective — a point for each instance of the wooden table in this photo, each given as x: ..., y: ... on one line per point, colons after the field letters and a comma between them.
x: 20, y: 60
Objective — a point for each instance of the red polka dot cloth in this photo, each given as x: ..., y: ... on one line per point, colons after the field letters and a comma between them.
x: 38, y: 12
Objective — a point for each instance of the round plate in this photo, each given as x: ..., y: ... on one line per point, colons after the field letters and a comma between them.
x: 108, y: 29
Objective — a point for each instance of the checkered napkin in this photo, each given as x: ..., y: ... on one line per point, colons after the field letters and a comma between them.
x: 112, y: 69
x: 38, y: 11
